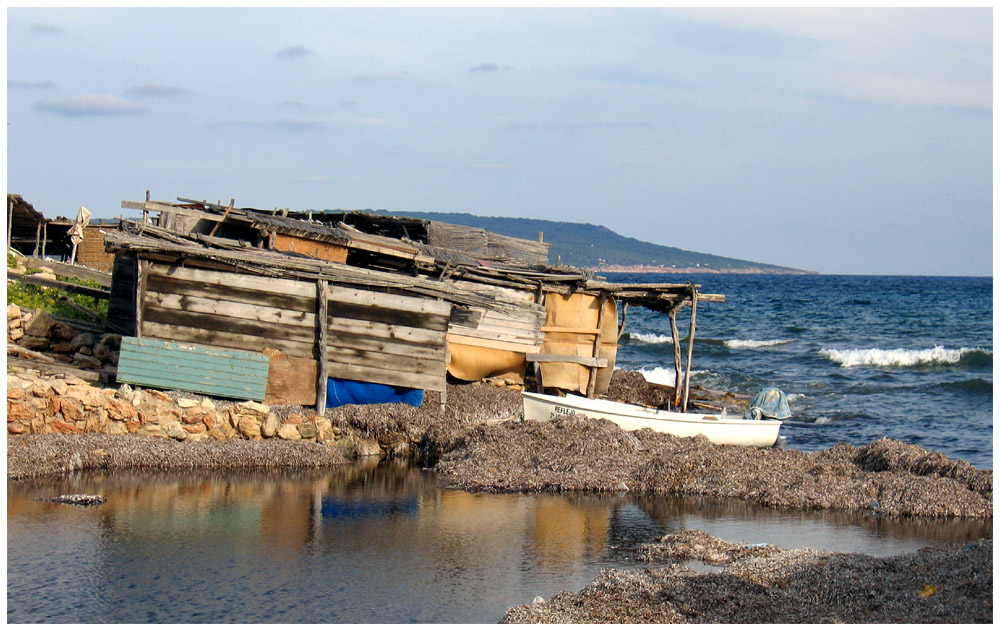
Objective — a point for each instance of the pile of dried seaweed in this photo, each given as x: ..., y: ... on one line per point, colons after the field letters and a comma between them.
x: 767, y: 585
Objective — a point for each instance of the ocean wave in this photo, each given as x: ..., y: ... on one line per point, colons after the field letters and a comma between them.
x: 901, y: 357
x: 665, y: 376
x: 650, y: 338
x: 755, y: 343
x: 970, y: 386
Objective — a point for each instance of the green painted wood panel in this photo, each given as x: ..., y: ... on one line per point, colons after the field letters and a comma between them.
x: 193, y: 368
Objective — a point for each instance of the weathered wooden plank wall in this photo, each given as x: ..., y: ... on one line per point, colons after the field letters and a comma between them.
x: 373, y: 336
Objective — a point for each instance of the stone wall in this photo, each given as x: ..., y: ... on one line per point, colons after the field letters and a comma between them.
x: 69, y: 405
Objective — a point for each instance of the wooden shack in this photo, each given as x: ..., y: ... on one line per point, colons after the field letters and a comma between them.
x: 400, y: 305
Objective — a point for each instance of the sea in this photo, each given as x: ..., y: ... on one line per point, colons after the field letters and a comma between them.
x: 858, y: 357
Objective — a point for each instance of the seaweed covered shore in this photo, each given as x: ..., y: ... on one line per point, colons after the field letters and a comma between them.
x: 768, y: 585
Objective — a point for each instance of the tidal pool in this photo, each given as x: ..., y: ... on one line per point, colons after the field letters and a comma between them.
x: 366, y: 543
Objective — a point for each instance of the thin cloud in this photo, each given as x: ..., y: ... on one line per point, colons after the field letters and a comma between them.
x: 157, y: 90
x: 50, y: 29
x: 29, y: 85
x: 92, y: 105
x: 290, y: 125
x: 490, y: 67
x: 293, y: 52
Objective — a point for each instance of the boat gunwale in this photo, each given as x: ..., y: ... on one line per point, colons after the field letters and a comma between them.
x: 648, y: 413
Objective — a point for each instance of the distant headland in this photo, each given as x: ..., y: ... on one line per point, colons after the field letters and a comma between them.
x: 597, y: 248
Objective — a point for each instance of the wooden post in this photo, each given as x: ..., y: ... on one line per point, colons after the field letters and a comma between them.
x: 675, y: 335
x: 621, y: 328
x: 38, y: 236
x: 45, y: 238
x: 141, y: 271
x: 592, y: 381
x: 224, y: 215
x: 322, y: 367
x: 687, y: 369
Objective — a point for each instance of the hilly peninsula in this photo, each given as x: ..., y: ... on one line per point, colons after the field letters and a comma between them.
x: 596, y: 247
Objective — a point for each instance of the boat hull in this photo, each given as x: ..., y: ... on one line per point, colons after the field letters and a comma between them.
x: 717, y: 429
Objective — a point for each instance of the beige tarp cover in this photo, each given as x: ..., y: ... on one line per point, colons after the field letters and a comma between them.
x: 577, y: 316
x: 473, y: 363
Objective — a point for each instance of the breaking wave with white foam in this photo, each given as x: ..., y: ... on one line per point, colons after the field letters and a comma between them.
x: 899, y: 357
x: 755, y: 343
x: 650, y: 338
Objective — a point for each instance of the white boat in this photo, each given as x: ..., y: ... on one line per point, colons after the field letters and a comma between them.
x: 716, y: 428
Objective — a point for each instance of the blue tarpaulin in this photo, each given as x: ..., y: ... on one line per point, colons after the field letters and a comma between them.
x: 768, y: 403
x: 345, y: 392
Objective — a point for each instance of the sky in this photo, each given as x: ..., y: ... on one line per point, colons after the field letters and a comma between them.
x: 842, y: 141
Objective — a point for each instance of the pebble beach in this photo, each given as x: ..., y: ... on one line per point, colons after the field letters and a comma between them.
x: 480, y: 443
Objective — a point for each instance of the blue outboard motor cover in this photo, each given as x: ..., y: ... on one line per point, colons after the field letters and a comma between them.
x: 768, y: 403
x: 345, y: 392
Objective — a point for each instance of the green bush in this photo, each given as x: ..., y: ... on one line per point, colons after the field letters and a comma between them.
x: 51, y: 300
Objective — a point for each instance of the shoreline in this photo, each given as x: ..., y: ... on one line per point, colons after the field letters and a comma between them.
x: 481, y: 443
x: 665, y: 269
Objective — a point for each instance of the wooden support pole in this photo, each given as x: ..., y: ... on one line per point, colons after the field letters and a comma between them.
x: 621, y: 329
x: 38, y: 236
x: 592, y: 380
x: 675, y: 336
x: 687, y: 369
x: 322, y: 368
x: 141, y: 271
x: 45, y: 238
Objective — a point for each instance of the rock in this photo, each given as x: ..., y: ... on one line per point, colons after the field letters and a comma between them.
x: 15, y: 334
x: 62, y: 347
x: 102, y: 352
x: 77, y: 500
x: 71, y: 412
x: 59, y: 386
x: 59, y: 427
x: 13, y: 312
x: 120, y: 410
x: 287, y: 431
x: 307, y: 429
x: 40, y: 389
x: 112, y: 340
x: 210, y: 419
x: 82, y: 339
x: 86, y: 361
x: 253, y: 408
x: 34, y: 342
x: 187, y: 403
x: 151, y: 429
x: 248, y: 426
x: 60, y: 331
x: 40, y: 326
x: 270, y: 426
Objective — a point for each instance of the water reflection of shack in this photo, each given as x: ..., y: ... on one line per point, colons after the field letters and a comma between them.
x: 365, y: 298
